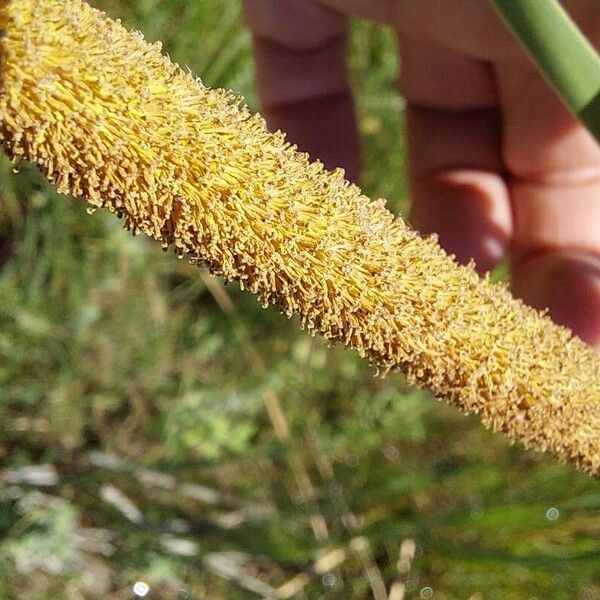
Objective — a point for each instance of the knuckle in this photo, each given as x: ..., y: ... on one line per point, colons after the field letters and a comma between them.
x: 568, y: 156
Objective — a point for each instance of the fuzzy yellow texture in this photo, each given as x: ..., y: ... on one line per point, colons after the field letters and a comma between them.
x: 107, y: 118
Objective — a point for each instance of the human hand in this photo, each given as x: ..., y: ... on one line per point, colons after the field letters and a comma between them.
x: 496, y: 163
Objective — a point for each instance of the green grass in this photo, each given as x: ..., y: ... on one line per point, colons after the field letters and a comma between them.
x: 133, y: 375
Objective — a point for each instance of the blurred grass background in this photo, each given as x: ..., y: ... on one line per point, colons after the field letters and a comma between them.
x: 157, y: 426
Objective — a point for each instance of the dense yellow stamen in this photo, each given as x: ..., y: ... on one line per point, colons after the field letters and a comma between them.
x: 107, y: 118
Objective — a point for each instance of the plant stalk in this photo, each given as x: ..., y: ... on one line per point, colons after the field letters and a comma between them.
x: 561, y: 52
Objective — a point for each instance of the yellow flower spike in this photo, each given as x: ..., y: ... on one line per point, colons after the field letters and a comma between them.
x: 107, y: 118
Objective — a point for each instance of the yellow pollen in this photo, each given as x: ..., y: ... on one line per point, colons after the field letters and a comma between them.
x: 106, y: 117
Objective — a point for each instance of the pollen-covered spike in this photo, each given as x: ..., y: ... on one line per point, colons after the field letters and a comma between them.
x: 106, y: 117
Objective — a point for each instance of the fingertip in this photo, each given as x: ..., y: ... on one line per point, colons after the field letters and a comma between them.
x: 470, y: 213
x: 567, y: 283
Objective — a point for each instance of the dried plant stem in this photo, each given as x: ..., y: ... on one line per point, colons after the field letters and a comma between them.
x: 107, y: 118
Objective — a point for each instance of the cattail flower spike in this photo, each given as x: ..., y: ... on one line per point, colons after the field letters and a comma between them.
x: 107, y: 118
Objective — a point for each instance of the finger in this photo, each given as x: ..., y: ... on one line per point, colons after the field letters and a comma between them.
x: 554, y: 165
x: 455, y: 162
x: 299, y: 50
x: 567, y: 283
x: 306, y: 95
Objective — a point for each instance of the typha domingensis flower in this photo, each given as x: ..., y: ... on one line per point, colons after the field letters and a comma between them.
x: 108, y: 118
